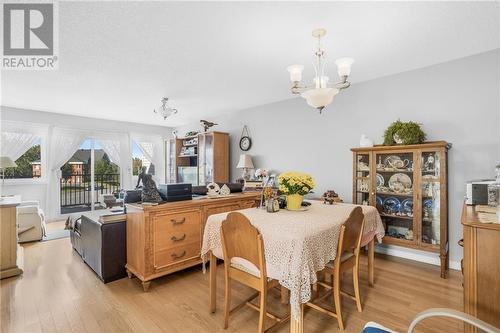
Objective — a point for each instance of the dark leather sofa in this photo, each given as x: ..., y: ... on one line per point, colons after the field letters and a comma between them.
x: 102, y: 246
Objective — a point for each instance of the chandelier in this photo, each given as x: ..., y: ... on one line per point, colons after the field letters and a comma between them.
x: 320, y: 93
x: 164, y: 110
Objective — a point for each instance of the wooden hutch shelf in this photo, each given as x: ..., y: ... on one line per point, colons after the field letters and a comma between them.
x: 199, y: 159
x: 408, y: 185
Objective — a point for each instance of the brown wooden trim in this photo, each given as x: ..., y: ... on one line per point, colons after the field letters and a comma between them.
x: 430, y: 144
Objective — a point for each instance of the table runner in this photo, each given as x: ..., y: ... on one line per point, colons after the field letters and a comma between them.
x: 297, y: 244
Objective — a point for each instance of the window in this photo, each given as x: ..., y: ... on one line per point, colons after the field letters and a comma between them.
x: 77, y: 179
x: 29, y: 165
x: 139, y: 159
x: 25, y: 145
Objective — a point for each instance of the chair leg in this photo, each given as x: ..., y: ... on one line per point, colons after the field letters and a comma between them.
x: 263, y: 310
x: 338, y: 301
x: 355, y: 282
x: 227, y: 301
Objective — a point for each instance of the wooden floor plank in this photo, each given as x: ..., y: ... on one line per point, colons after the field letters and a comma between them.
x: 60, y: 293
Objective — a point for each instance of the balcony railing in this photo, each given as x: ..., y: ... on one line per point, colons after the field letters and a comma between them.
x: 76, y: 189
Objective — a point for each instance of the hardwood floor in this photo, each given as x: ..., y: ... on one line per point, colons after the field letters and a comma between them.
x: 59, y: 293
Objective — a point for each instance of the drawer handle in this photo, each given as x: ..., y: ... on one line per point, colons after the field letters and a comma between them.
x: 177, y: 256
x: 174, y: 221
x: 175, y: 239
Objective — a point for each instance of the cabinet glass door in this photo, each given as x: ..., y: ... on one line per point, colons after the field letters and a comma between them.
x: 394, y: 195
x: 171, y: 176
x: 362, y: 179
x: 206, y: 158
x: 431, y: 194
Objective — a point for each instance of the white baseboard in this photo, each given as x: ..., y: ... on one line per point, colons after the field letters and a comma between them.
x: 417, y: 255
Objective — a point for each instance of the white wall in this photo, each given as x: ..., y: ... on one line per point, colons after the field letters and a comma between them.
x: 39, y: 191
x: 456, y: 101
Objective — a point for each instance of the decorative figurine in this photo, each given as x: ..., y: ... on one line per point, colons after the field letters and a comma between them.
x: 429, y: 164
x: 365, y: 141
x: 149, y: 191
x: 224, y: 190
x: 206, y: 125
x: 380, y: 166
x: 330, y: 196
x: 213, y: 190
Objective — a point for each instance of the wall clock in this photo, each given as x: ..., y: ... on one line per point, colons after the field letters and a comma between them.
x: 245, y: 140
x: 245, y: 143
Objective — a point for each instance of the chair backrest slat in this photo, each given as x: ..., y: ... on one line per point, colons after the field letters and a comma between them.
x: 353, y: 231
x: 241, y: 239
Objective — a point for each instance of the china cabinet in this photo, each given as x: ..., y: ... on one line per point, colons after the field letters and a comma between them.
x: 199, y: 159
x: 408, y: 185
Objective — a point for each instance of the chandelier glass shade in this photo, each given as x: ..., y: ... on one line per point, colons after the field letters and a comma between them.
x: 164, y: 110
x: 321, y: 93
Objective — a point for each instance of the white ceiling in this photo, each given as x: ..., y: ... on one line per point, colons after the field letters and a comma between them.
x: 118, y: 59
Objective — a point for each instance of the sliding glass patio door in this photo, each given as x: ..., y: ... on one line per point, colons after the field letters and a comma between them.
x: 87, y: 178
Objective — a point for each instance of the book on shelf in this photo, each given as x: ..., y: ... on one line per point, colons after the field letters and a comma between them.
x: 253, y: 185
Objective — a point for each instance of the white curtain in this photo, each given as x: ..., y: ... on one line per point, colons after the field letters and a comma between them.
x: 112, y: 148
x: 63, y: 144
x: 152, y: 148
x: 15, y: 144
x: 118, y: 150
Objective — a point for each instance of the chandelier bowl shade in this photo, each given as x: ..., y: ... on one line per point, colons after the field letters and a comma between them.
x: 322, y: 92
x: 320, y: 97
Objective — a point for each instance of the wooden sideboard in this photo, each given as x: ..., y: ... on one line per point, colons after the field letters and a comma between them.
x: 481, y: 268
x: 167, y: 238
x: 11, y: 252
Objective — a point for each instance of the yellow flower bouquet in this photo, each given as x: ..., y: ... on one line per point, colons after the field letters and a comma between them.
x: 294, y: 185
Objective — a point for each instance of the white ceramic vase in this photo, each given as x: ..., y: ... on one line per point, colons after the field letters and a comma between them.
x: 365, y: 141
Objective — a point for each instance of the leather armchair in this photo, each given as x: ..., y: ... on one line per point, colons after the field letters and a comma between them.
x: 31, y: 222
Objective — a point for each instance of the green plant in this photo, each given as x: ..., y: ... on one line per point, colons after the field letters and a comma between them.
x: 408, y: 132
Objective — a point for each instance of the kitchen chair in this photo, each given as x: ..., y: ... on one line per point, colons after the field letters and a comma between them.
x: 347, y: 258
x: 244, y: 261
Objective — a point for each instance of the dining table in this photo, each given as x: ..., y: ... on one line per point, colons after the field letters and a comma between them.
x: 297, y: 245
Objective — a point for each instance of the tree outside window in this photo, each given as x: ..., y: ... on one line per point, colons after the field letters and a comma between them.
x: 29, y: 165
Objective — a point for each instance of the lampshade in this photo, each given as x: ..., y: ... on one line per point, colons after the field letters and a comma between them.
x: 245, y: 162
x: 320, y: 97
x: 295, y: 72
x: 344, y: 66
x: 7, y: 162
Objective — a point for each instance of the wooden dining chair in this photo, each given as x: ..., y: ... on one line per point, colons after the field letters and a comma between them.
x: 347, y: 258
x: 244, y: 261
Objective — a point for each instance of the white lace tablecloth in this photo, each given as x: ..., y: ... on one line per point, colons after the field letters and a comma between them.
x: 297, y: 244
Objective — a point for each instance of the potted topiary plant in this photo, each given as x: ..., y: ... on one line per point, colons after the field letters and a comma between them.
x: 406, y: 133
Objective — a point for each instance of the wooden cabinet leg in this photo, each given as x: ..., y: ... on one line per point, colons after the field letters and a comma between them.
x: 285, y: 295
x: 371, y: 262
x: 129, y: 274
x: 213, y: 282
x: 145, y: 285
x: 444, y: 265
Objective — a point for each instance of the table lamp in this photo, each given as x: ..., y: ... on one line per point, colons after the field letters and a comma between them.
x: 6, y: 162
x: 245, y: 163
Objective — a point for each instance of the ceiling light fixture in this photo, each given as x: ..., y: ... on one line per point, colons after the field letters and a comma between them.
x: 321, y: 93
x: 164, y: 110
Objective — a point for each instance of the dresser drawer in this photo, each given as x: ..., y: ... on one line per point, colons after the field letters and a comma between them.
x: 179, y: 222
x: 175, y: 230
x: 247, y: 204
x: 176, y: 255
